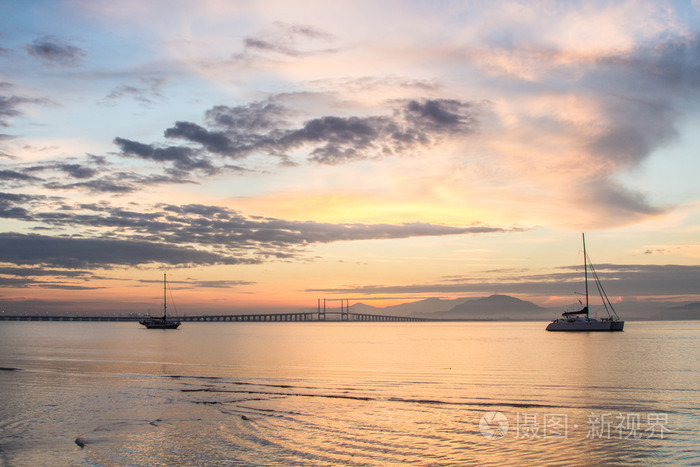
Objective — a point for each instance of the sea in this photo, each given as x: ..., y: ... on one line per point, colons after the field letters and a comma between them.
x: 348, y: 393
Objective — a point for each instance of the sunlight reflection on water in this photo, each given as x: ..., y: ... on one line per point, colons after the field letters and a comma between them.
x: 343, y: 393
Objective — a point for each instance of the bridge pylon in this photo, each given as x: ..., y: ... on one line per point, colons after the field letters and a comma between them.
x: 321, y: 314
x: 322, y: 310
x: 344, y: 309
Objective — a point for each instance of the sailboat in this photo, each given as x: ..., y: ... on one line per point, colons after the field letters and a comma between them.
x: 162, y: 322
x: 580, y: 320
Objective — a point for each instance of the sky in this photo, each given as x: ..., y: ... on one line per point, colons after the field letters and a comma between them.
x: 267, y: 154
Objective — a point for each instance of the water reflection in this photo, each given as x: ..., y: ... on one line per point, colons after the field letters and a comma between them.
x: 340, y: 393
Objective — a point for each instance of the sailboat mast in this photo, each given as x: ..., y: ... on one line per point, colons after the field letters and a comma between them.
x: 165, y: 306
x: 585, y: 268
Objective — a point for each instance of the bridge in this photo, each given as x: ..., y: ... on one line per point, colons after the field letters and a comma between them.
x: 302, y: 316
x: 322, y: 313
x: 66, y: 318
x: 266, y: 317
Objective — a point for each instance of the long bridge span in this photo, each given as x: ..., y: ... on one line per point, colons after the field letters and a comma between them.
x: 322, y: 313
x: 266, y: 317
x: 304, y: 316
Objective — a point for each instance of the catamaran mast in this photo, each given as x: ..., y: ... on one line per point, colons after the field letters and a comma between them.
x: 585, y: 269
x: 165, y: 306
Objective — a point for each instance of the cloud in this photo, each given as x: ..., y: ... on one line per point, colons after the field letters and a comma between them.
x: 9, y: 107
x: 183, y: 158
x: 302, y: 30
x: 51, y: 285
x: 93, y: 174
x: 413, y: 123
x: 253, y: 118
x: 618, y: 200
x: 10, y: 206
x: 220, y: 284
x: 39, y: 272
x: 212, y: 141
x: 263, y: 128
x: 54, y: 51
x: 114, y: 183
x: 618, y: 279
x: 214, y: 225
x: 78, y: 170
x: 16, y: 282
x: 145, y: 94
x: 259, y: 44
x: 442, y: 115
x: 595, y: 113
x: 644, y: 93
x: 68, y: 252
x: 290, y: 40
x: 14, y: 176
x: 23, y: 278
x: 183, y: 234
x: 110, y: 184
x: 337, y: 139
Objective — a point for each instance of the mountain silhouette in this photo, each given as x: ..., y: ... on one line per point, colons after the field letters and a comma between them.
x: 494, y: 307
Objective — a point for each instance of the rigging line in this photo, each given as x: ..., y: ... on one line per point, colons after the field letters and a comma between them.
x: 606, y: 297
x: 172, y: 301
x: 598, y: 286
x: 602, y: 291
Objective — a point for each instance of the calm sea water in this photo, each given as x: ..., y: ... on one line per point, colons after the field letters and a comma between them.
x: 348, y: 394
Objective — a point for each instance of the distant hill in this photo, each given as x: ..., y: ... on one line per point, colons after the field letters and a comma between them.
x: 417, y: 308
x: 495, y: 307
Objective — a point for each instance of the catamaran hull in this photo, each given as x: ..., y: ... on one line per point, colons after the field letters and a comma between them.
x: 585, y: 325
x: 580, y: 321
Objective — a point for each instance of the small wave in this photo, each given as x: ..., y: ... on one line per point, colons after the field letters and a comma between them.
x: 214, y: 378
x: 357, y: 397
x: 519, y: 405
x: 271, y: 393
x: 246, y: 383
x: 291, y: 390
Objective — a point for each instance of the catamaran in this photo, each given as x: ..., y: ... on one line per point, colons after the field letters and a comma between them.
x: 580, y: 320
x: 161, y: 322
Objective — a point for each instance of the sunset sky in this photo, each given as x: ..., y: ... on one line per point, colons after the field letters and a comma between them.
x: 269, y: 153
